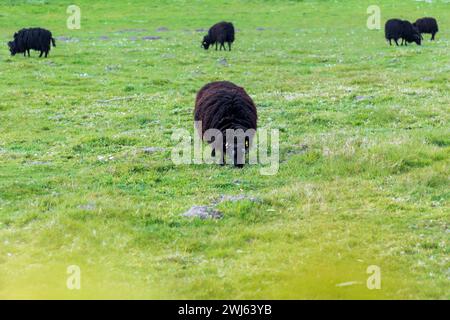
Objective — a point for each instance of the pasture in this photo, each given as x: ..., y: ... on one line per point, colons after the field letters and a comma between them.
x: 86, y: 176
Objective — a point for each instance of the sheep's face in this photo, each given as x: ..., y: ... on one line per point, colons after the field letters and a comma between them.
x: 206, y: 43
x: 12, y: 48
x: 417, y: 35
x: 418, y: 39
x: 237, y: 151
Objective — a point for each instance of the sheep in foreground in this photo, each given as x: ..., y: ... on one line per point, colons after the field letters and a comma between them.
x: 219, y: 34
x: 31, y: 39
x: 401, y: 29
x: 229, y: 110
x: 427, y: 25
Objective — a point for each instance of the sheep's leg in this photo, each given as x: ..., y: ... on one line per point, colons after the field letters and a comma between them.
x: 222, y: 45
x: 42, y: 52
x: 396, y: 42
x: 229, y: 46
x: 216, y: 45
x: 390, y: 42
x: 224, y: 152
x: 46, y: 53
x: 432, y: 36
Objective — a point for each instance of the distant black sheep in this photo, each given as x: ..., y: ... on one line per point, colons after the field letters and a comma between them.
x: 427, y: 25
x: 31, y: 39
x: 401, y: 29
x: 219, y: 34
x: 223, y: 105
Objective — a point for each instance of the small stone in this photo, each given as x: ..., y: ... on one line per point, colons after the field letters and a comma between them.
x: 223, y: 62
x: 67, y: 39
x: 361, y: 98
x: 40, y: 163
x: 162, y: 29
x: 88, y: 206
x: 203, y: 212
x: 150, y: 150
x: 149, y: 38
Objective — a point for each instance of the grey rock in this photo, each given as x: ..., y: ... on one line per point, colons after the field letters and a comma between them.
x: 67, y: 39
x: 40, y: 163
x: 88, y: 206
x: 150, y: 150
x: 162, y: 29
x: 147, y: 38
x: 223, y: 62
x: 361, y: 98
x: 132, y: 30
x: 203, y: 212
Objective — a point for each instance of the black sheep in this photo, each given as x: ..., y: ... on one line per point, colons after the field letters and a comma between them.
x: 31, y: 39
x: 223, y: 106
x: 219, y: 34
x: 401, y: 29
x: 427, y: 25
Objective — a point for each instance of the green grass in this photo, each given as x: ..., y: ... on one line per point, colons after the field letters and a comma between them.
x: 361, y: 181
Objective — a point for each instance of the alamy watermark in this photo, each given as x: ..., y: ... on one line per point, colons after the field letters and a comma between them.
x: 374, y: 280
x: 374, y: 19
x: 74, y: 279
x: 74, y: 19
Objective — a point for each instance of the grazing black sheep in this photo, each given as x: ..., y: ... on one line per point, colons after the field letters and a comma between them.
x: 427, y: 25
x: 223, y: 106
x: 401, y: 29
x: 31, y: 39
x: 219, y: 34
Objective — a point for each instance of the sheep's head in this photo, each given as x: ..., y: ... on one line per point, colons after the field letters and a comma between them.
x: 418, y: 38
x: 206, y: 42
x: 236, y: 147
x: 12, y: 48
x: 417, y: 35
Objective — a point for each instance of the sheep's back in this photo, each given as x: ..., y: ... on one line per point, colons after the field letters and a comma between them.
x: 222, y: 31
x: 33, y: 38
x: 393, y: 29
x: 427, y: 25
x: 223, y: 105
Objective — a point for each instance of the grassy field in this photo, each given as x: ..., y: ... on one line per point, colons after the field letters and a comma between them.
x: 364, y: 142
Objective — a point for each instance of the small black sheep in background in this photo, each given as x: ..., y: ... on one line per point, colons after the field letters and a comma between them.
x: 427, y: 25
x: 219, y: 34
x: 223, y: 105
x: 401, y: 29
x: 31, y: 39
